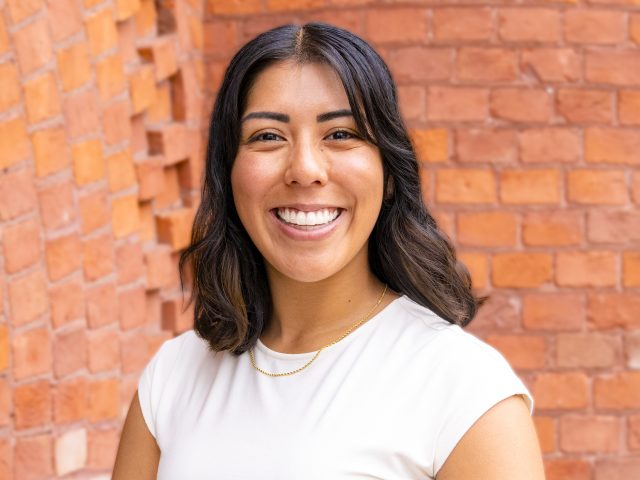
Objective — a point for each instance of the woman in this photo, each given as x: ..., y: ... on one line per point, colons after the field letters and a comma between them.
x: 328, y: 305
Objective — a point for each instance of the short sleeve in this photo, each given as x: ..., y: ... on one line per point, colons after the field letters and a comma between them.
x: 478, y: 377
x: 147, y: 394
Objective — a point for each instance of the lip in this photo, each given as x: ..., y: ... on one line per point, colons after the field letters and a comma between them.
x: 306, y: 207
x: 316, y: 234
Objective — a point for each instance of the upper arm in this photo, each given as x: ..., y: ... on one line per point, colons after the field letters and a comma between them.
x: 501, y: 445
x: 138, y: 453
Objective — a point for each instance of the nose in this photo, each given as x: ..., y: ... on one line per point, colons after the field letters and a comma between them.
x: 307, y: 165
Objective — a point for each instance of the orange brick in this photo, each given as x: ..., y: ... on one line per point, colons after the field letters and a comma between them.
x: 132, y: 308
x: 195, y: 29
x: 561, y: 391
x: 567, y: 469
x: 17, y: 194
x: 398, y: 25
x: 486, y: 145
x: 635, y: 187
x: 594, y: 26
x: 104, y: 350
x: 220, y: 37
x: 546, y: 429
x: 33, y: 46
x: 170, y: 194
x: 4, y: 37
x: 14, y: 142
x: 64, y: 18
x: 614, y: 227
x: 435, y: 64
x: 101, y: 31
x: 529, y: 25
x: 9, y: 86
x: 69, y: 352
x: 559, y: 228
x: 94, y: 211
x: 121, y: 172
x: 126, y: 8
x: 234, y: 7
x: 174, y: 142
x: 57, y: 207
x: 125, y: 215
x: 431, y: 145
x: 28, y: 298
x: 462, y: 24
x: 610, y: 310
x: 102, y: 305
x: 175, y: 318
x: 162, y: 53
x: 160, y: 110
x: 457, y: 104
x: 103, y: 445
x: 465, y: 186
x: 116, y: 123
x: 50, y: 151
x: 553, y: 64
x: 412, y: 101
x: 142, y: 88
x: 31, y: 353
x: 74, y: 67
x: 129, y: 262
x: 174, y: 227
x: 521, y: 104
x: 150, y: 177
x: 103, y: 399
x: 522, y: 351
x: 629, y: 107
x: 134, y: 358
x: 110, y: 76
x: 146, y: 18
x: 62, y: 256
x: 499, y: 312
x: 41, y: 98
x: 605, y: 187
x: 487, y: 229
x: 586, y: 269
x: 608, y: 145
x: 98, y: 258
x: 81, y: 114
x: 160, y: 268
x: 631, y: 269
x: 190, y: 174
x: 585, y: 106
x: 22, y: 9
x: 33, y: 455
x: 486, y: 64
x: 530, y: 186
x: 589, y: 433
x: 614, y: 67
x: 283, y: 5
x: 521, y: 270
x: 4, y: 363
x: 70, y: 400
x: 6, y: 407
x: 619, y: 391
x: 21, y: 243
x: 147, y: 229
x: 88, y: 164
x: 617, y: 467
x: 633, y: 432
x: 67, y: 302
x: 634, y: 27
x: 550, y: 145
x: 587, y: 350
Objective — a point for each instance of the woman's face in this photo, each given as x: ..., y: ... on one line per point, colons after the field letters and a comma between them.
x: 307, y: 187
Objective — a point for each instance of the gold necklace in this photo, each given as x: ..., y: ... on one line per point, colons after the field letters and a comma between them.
x: 292, y: 372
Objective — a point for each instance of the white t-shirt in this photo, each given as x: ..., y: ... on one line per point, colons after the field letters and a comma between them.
x: 389, y: 401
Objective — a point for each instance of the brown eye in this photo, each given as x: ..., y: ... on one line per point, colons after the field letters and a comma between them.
x: 341, y: 135
x: 265, y: 137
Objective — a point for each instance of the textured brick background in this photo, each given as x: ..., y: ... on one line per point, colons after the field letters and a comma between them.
x: 526, y: 116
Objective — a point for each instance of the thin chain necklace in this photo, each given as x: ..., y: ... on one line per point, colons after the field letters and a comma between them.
x: 292, y: 372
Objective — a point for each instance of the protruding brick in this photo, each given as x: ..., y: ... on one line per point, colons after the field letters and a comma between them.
x: 126, y: 8
x: 104, y: 350
x: 486, y: 145
x: 585, y: 106
x: 550, y: 145
x: 101, y: 30
x: 21, y: 245
x: 611, y: 310
x: 160, y: 111
x: 64, y: 18
x: 631, y: 269
x: 465, y: 186
x: 17, y: 194
x: 33, y: 46
x: 73, y: 66
x: 398, y: 25
x: 162, y: 53
x: 121, y: 172
x: 462, y: 24
x: 521, y: 270
x: 521, y: 104
x: 9, y: 86
x: 457, y: 104
x: 50, y: 150
x: 522, y: 351
x: 102, y: 305
x: 62, y: 256
x: 558, y: 228
x: 31, y: 353
x: 612, y: 66
x: 586, y: 269
x: 67, y: 302
x: 552, y: 64
x: 530, y: 186
x: 70, y: 400
x: 103, y: 399
x: 88, y: 164
x: 619, y: 391
x: 71, y: 451
x: 125, y: 217
x: 529, y: 24
x: 110, y: 76
x: 594, y: 26
x: 174, y: 227
x: 589, y: 433
x: 146, y: 18
x: 614, y: 226
x: 629, y: 107
x: 41, y: 98
x: 599, y: 187
x: 28, y: 297
x: 561, y: 391
x: 32, y: 404
x: 174, y: 142
x: 174, y: 316
x: 160, y: 268
x: 486, y: 64
x: 487, y: 229
x: 14, y: 142
x: 142, y: 88
x: 33, y: 456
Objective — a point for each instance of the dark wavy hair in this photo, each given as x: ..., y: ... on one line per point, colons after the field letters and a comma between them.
x: 406, y: 249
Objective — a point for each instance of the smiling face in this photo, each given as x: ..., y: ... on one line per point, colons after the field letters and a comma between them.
x: 307, y: 187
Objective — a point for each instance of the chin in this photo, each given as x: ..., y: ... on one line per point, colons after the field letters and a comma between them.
x: 306, y: 272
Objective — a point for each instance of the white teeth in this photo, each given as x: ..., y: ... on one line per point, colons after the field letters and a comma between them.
x: 297, y: 217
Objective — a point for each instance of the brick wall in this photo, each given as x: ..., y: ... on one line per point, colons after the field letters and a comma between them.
x: 526, y: 117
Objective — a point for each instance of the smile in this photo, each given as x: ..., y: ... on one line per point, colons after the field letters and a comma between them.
x: 308, y: 220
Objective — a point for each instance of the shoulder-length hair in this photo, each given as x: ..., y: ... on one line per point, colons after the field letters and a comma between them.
x: 406, y: 249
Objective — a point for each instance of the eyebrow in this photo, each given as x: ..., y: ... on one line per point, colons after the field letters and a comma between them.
x: 281, y: 117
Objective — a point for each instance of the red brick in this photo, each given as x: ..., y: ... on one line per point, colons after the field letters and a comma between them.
x: 611, y: 310
x: 126, y: 8
x: 486, y: 229
x: 522, y: 351
x: 160, y: 268
x: 585, y: 106
x: 98, y: 258
x: 530, y: 186
x: 398, y: 25
x: 587, y: 350
x: 41, y: 98
x: 550, y: 145
x: 589, y: 433
x: 616, y: 468
x: 9, y: 86
x: 121, y: 173
x: 546, y: 428
x: 612, y: 66
x: 457, y: 104
x: 73, y: 66
x: 220, y: 37
x: 486, y: 64
x: 103, y: 399
x: 56, y: 205
x: 4, y: 348
x: 160, y: 110
x: 500, y: 312
x: 174, y: 316
x: 31, y: 353
x: 102, y: 305
x: 190, y: 175
x: 614, y: 227
x: 594, y: 26
x: 50, y: 151
x: 64, y: 18
x: 62, y: 256
x: 67, y: 302
x: 81, y: 114
x: 33, y: 456
x: 434, y: 64
x: 283, y: 5
x: 150, y: 177
x: 412, y: 100
x: 17, y: 194
x: 634, y: 27
x: 633, y: 432
x: 4, y: 37
x: 521, y: 270
x: 174, y: 142
x: 101, y: 31
x: 174, y: 227
x: 465, y: 186
x: 604, y: 187
x: 608, y: 145
x: 147, y: 231
x: 110, y: 76
x: 635, y: 187
x: 21, y: 245
x: 234, y: 7
x: 69, y: 352
x: 6, y: 407
x: 567, y: 469
x: 116, y: 122
x: 33, y: 46
x: 521, y: 104
x: 142, y: 88
x: 431, y: 145
x: 28, y: 297
x: 103, y: 445
x: 552, y: 64
x: 22, y: 9
x: 461, y: 24
x: 619, y: 391
x: 162, y: 53
x: 561, y: 391
x: 94, y: 210
x: 125, y: 217
x: 32, y: 404
x: 486, y: 145
x: 586, y: 269
x: 529, y: 25
x: 145, y: 19
x: 132, y: 308
x: 133, y: 352
x: 6, y: 458
x: 559, y: 228
x: 70, y: 400
x: 631, y: 269
x: 104, y: 350
x: 88, y: 164
x: 14, y: 142
x: 129, y: 262
x: 629, y: 107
